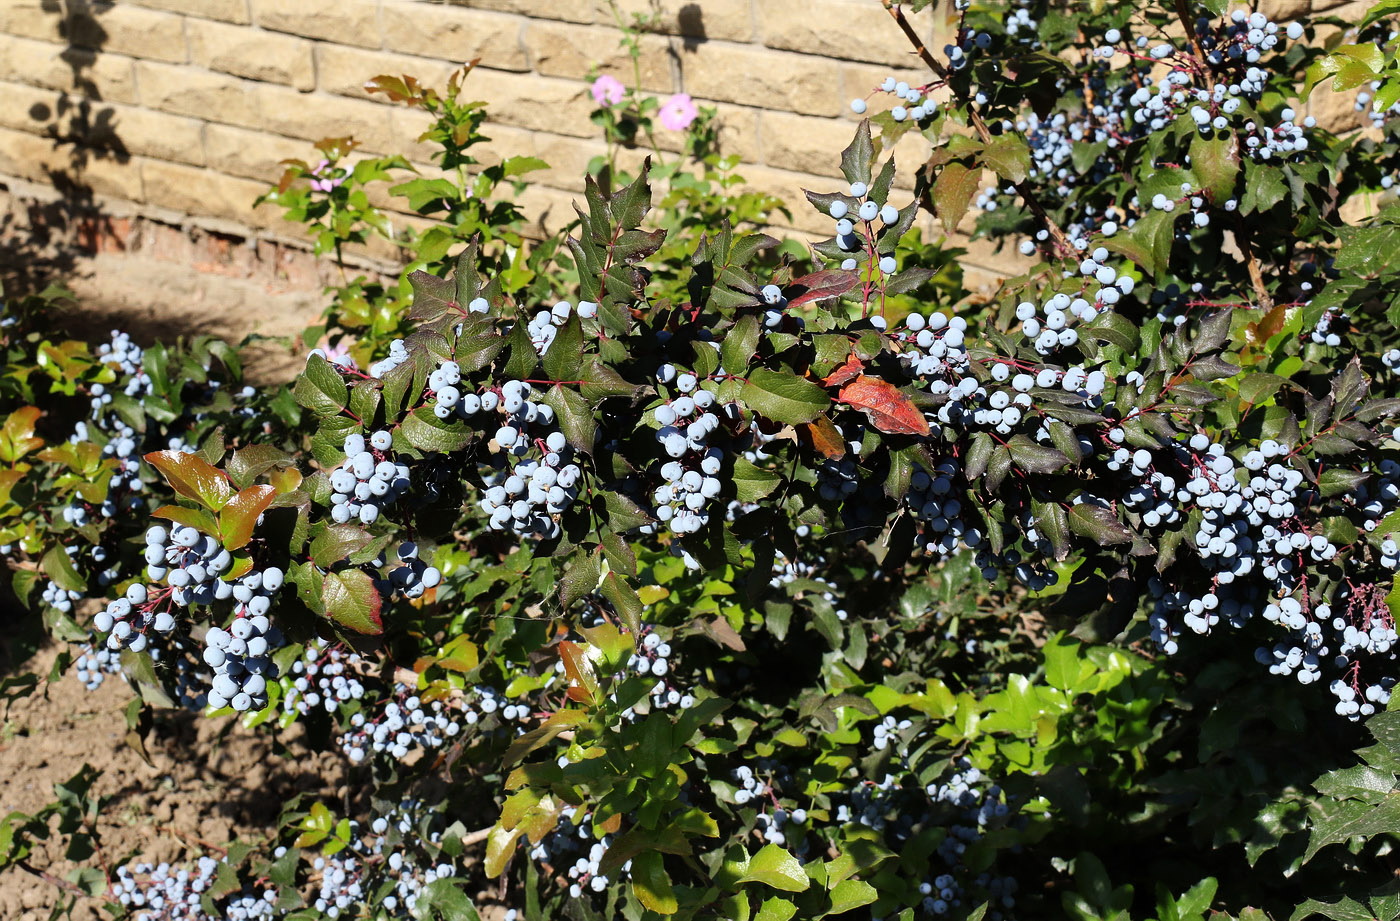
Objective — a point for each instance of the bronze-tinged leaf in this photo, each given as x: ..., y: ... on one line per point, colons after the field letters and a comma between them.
x: 820, y: 285
x: 887, y: 409
x: 825, y: 437
x: 846, y: 373
x: 193, y: 478
x: 238, y: 518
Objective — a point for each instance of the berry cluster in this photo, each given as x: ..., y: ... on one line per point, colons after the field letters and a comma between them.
x: 535, y: 480
x: 368, y: 481
x: 690, y: 478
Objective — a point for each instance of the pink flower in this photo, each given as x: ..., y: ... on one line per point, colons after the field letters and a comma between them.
x: 678, y: 112
x: 607, y: 91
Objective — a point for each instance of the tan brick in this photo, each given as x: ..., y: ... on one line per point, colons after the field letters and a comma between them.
x: 755, y: 76
x: 252, y: 154
x: 31, y: 109
x: 839, y: 29
x: 570, y: 11
x: 253, y: 53
x: 150, y: 34
x: 546, y: 209
x: 568, y: 159
x: 353, y: 22
x: 235, y: 11
x: 203, y: 192
x: 317, y: 115
x: 344, y: 71
x: 859, y: 81
x: 539, y: 103
x: 573, y: 51
x: 808, y: 145
x: 158, y: 135
x: 454, y: 34
x: 198, y: 93
x: 788, y: 187
x: 731, y: 20
x: 42, y: 19
x: 37, y: 159
x: 108, y: 77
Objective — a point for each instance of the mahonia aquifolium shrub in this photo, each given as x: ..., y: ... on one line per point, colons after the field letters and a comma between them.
x: 665, y: 569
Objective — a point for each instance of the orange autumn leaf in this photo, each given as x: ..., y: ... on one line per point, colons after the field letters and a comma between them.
x: 826, y: 438
x: 849, y: 371
x: 887, y: 409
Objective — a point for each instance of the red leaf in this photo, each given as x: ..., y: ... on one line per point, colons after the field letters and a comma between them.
x: 847, y: 372
x: 887, y: 409
x: 818, y: 285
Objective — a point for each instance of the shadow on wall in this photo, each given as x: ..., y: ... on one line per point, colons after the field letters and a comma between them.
x: 40, y: 241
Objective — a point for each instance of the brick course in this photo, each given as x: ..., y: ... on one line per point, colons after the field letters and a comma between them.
x: 187, y: 106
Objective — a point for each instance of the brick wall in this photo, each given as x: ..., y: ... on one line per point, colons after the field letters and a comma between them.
x: 179, y: 110
x: 186, y: 106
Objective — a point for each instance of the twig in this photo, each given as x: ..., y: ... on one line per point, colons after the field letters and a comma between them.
x: 1183, y: 12
x: 50, y: 878
x: 1256, y: 276
x: 975, y: 118
x: 477, y: 836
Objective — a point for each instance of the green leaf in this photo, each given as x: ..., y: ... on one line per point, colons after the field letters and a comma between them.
x: 1337, y: 480
x: 1009, y: 156
x: 320, y: 388
x: 1216, y: 163
x: 1259, y: 386
x: 857, y: 158
x: 775, y: 866
x: 574, y: 417
x: 1264, y: 187
x: 1148, y: 244
x: 58, y: 566
x: 564, y: 358
x: 1098, y: 524
x: 752, y: 483
x: 337, y: 543
x: 851, y: 894
x: 776, y: 909
x: 247, y: 464
x: 652, y: 885
x: 580, y: 578
x: 740, y: 345
x: 425, y: 431
x: 625, y: 601
x: 783, y: 396
x: 352, y: 601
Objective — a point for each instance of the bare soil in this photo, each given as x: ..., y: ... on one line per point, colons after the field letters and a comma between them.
x: 210, y: 781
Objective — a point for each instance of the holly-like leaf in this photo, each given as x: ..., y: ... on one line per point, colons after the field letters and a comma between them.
x: 351, y: 600
x: 820, y: 285
x: 1098, y: 524
x: 652, y: 885
x: 320, y: 388
x: 888, y: 410
x: 825, y: 437
x: 240, y: 515
x: 58, y: 566
x: 17, y: 436
x: 953, y: 191
x: 190, y: 476
x: 783, y: 396
x: 775, y: 866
